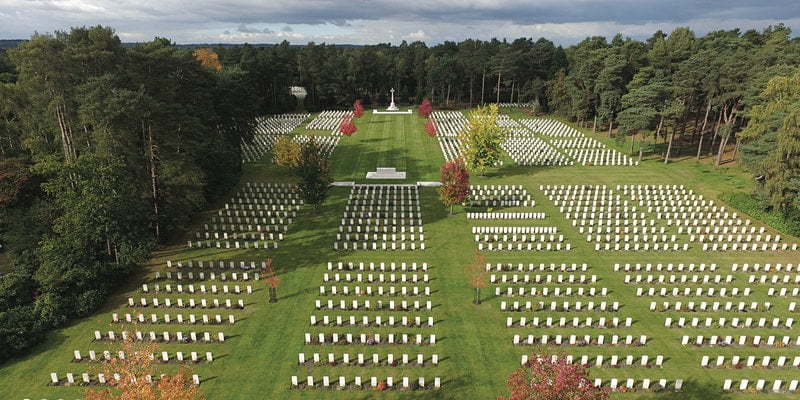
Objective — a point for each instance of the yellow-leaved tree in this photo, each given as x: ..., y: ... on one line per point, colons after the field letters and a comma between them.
x: 207, y: 57
x: 286, y: 152
x: 481, y: 138
x: 133, y: 371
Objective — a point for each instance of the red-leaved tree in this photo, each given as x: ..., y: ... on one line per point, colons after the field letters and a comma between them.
x: 272, y: 281
x: 425, y: 109
x: 455, y: 183
x: 430, y: 128
x: 13, y: 177
x: 358, y: 109
x: 477, y: 275
x: 543, y: 378
x: 347, y: 127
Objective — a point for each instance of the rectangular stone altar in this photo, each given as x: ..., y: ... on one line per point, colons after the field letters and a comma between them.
x: 386, y: 173
x: 406, y: 112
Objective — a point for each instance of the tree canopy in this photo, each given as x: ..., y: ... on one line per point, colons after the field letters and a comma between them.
x: 481, y: 138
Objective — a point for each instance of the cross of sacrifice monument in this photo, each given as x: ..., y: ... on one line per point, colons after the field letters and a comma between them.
x: 392, y: 106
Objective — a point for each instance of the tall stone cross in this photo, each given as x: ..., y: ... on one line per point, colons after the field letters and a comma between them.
x: 392, y: 106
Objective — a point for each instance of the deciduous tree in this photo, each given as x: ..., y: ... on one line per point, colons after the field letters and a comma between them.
x: 545, y: 377
x: 286, y: 152
x: 430, y: 128
x: 314, y: 175
x: 455, y: 183
x: 425, y: 109
x: 358, y: 109
x: 272, y: 281
x: 133, y: 383
x: 347, y: 127
x: 207, y: 57
x: 13, y: 176
x: 477, y: 275
x: 481, y: 138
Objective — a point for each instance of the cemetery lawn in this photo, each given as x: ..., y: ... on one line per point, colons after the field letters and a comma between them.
x: 474, y: 346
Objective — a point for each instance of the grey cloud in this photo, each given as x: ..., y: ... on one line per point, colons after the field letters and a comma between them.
x: 358, y: 20
x: 245, y: 29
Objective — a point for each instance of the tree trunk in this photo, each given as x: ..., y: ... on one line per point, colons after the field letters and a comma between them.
x: 471, y: 84
x: 483, y: 85
x: 152, y: 165
x: 611, y: 127
x: 696, y: 125
x: 730, y: 121
x: 273, y: 297
x: 658, y: 129
x: 716, y: 131
x: 641, y: 150
x: 736, y: 149
x: 447, y: 100
x: 498, y: 88
x: 669, y: 146
x: 633, y: 139
x: 108, y: 240
x: 66, y: 133
x: 477, y: 299
x: 683, y: 133
x: 594, y: 124
x: 511, y: 100
x: 274, y: 97
x: 723, y: 142
x: 703, y: 130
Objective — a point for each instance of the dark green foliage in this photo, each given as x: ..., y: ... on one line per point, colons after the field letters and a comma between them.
x: 114, y: 149
x: 20, y: 328
x: 313, y: 174
x: 16, y: 289
x: 786, y: 221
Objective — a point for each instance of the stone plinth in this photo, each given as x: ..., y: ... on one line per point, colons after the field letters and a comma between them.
x: 409, y: 111
x: 386, y: 173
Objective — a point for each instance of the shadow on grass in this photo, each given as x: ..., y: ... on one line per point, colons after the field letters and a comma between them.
x: 692, y: 390
x: 53, y: 340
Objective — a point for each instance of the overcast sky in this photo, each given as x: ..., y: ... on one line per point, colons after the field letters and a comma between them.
x: 378, y: 21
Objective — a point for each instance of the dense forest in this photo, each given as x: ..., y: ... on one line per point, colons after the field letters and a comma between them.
x: 107, y: 150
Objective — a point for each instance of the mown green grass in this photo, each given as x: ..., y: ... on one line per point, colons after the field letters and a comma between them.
x: 474, y: 346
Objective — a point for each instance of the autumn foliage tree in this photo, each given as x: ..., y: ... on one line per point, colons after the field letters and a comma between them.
x: 477, y: 275
x: 430, y: 128
x: 545, y: 377
x: 133, y: 383
x: 286, y: 152
x: 13, y: 177
x: 425, y: 109
x: 455, y: 183
x: 358, y: 109
x: 272, y: 281
x: 208, y: 58
x: 347, y: 127
x: 481, y: 138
